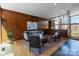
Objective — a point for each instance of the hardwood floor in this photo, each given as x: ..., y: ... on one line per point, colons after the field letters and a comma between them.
x: 54, y: 48
x: 19, y: 50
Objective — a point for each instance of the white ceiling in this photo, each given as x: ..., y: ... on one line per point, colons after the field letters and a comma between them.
x: 44, y: 10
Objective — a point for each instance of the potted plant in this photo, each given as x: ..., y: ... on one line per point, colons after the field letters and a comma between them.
x: 10, y: 36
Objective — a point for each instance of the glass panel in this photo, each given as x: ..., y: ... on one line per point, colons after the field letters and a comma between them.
x: 57, y: 21
x: 64, y: 26
x: 64, y: 21
x: 75, y: 19
x: 75, y: 26
x: 75, y: 31
x: 56, y: 26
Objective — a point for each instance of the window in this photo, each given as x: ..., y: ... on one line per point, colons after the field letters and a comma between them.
x: 75, y: 31
x: 64, y: 27
x: 74, y: 19
x: 56, y: 26
x: 61, y: 22
x: 57, y: 23
x: 75, y: 26
x: 64, y: 22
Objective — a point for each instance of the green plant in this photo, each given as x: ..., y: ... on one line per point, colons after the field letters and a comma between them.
x: 10, y: 36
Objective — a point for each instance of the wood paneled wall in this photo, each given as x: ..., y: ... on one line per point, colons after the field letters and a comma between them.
x: 0, y: 11
x: 17, y: 22
x: 51, y: 24
x: 43, y: 25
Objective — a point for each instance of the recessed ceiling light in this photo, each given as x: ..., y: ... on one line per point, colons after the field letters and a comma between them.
x: 55, y: 4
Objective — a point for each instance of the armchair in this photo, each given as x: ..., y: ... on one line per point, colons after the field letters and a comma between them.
x: 36, y: 42
x: 57, y: 36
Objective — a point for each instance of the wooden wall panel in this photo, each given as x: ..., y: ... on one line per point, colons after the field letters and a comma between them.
x: 50, y: 24
x: 17, y: 22
x: 43, y: 25
x: 0, y: 11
